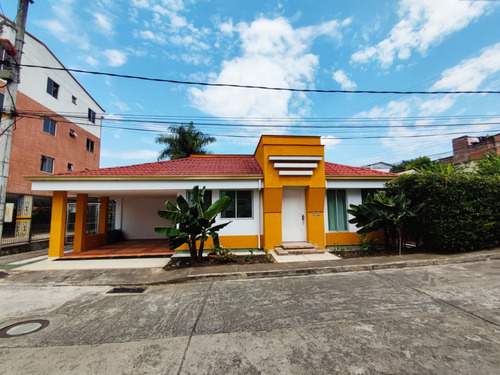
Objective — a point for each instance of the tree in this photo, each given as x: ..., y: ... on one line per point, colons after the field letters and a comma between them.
x: 406, y: 165
x: 193, y: 223
x: 183, y: 141
x: 489, y: 165
x: 383, y: 212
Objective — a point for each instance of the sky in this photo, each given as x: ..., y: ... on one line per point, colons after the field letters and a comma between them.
x: 406, y: 45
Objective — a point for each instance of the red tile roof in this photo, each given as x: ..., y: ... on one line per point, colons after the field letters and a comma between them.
x: 214, y: 165
x: 193, y: 166
x: 332, y: 169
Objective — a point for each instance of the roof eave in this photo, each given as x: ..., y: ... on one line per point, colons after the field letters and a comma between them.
x: 360, y: 177
x: 142, y: 178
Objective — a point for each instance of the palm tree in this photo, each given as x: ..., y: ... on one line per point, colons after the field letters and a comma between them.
x: 183, y: 140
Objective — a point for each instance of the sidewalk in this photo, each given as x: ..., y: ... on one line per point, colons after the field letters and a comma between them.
x: 157, y: 276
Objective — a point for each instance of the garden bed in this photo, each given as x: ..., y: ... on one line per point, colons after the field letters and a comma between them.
x: 185, y: 262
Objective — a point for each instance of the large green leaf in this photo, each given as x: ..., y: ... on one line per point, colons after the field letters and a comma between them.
x: 217, y: 207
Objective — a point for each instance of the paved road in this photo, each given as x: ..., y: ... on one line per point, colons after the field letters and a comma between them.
x: 429, y: 320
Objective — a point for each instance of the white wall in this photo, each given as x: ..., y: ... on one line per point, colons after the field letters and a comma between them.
x: 139, y: 216
x: 240, y: 226
x: 34, y: 85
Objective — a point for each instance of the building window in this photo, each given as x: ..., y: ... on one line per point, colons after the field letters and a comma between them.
x: 49, y: 126
x: 47, y: 164
x: 91, y: 116
x: 72, y: 133
x: 240, y: 205
x: 337, y: 210
x: 52, y: 88
x: 90, y: 145
x: 70, y: 167
x: 73, y: 99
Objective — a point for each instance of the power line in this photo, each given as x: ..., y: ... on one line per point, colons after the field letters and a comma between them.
x: 287, y: 89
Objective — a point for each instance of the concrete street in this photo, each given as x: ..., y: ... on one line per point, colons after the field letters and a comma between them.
x: 426, y: 320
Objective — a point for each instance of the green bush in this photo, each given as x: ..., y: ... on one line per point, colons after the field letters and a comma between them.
x: 461, y: 211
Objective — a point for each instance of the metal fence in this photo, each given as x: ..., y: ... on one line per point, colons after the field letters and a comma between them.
x: 40, y: 220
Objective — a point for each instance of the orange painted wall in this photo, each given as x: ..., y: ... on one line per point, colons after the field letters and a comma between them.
x: 231, y: 242
x: 273, y: 186
x: 350, y: 238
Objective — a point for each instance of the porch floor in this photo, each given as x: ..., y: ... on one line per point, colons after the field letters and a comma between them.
x: 132, y: 248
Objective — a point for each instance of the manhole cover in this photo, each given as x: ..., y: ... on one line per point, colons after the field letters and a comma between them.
x: 127, y: 290
x: 23, y: 328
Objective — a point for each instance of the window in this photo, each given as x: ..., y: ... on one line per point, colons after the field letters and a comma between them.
x: 49, y: 126
x: 73, y: 99
x: 337, y: 210
x: 90, y: 145
x: 52, y: 88
x: 70, y: 167
x: 91, y: 116
x: 72, y: 133
x: 240, y: 205
x: 47, y: 164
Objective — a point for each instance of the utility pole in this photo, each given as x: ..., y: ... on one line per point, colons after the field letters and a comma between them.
x: 9, y: 114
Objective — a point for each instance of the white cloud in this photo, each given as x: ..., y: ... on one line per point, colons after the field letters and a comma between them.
x: 329, y: 141
x: 345, y: 83
x: 471, y: 73
x: 423, y: 24
x: 115, y: 57
x: 103, y: 23
x: 91, y: 61
x: 154, y: 37
x: 273, y: 54
x: 436, y: 106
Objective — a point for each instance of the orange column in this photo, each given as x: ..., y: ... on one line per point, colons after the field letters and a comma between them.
x: 315, y: 203
x: 103, y: 216
x: 80, y: 222
x: 272, y: 201
x: 58, y: 224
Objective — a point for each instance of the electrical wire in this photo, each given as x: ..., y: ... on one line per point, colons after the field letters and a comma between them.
x: 257, y: 87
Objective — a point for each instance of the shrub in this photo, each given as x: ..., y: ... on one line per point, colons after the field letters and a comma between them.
x: 461, y: 211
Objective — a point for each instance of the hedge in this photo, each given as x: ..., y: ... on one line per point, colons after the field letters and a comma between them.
x: 461, y: 211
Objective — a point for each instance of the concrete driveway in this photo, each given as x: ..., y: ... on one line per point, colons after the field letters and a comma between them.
x: 429, y: 320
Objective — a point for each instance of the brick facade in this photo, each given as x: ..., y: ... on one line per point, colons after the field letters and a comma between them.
x: 468, y: 148
x: 30, y: 142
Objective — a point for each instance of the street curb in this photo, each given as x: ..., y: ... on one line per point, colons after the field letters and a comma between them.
x: 186, y: 276
x: 332, y: 269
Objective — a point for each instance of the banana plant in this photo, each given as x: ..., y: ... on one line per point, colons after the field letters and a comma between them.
x: 383, y: 212
x: 193, y: 224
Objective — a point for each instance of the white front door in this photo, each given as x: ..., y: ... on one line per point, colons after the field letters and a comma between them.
x: 293, y: 215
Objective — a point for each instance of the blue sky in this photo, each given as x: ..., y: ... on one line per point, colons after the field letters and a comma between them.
x: 351, y: 45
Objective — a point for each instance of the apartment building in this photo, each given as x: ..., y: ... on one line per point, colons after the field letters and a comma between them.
x: 58, y: 129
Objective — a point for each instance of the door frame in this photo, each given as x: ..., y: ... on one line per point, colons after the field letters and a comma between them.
x: 299, y: 231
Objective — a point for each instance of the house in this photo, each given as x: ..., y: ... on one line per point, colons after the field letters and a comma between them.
x: 380, y: 166
x: 285, y: 191
x: 58, y: 129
